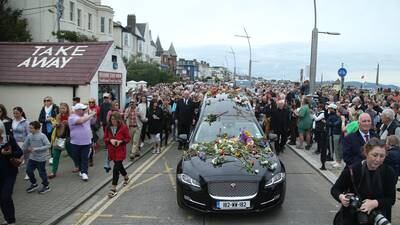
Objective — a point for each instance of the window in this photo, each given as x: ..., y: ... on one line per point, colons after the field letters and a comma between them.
x: 71, y: 11
x: 110, y: 26
x: 140, y: 47
x: 102, y: 21
x: 89, y: 21
x: 125, y: 39
x: 79, y: 17
x: 114, y: 58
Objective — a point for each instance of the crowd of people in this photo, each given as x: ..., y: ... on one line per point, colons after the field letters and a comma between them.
x: 344, y: 126
x: 354, y: 129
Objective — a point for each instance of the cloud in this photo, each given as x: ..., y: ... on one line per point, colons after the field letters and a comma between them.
x: 284, y: 60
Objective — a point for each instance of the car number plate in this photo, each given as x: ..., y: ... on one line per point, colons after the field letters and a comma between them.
x: 233, y: 204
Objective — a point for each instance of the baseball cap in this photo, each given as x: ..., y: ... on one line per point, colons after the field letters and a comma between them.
x: 106, y: 95
x: 79, y: 106
x: 332, y: 106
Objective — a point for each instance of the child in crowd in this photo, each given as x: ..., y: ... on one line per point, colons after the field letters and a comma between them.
x: 38, y: 146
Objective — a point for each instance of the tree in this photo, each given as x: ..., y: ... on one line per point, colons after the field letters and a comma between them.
x: 13, y: 27
x: 149, y: 72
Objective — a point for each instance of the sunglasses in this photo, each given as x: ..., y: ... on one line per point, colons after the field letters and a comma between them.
x: 47, y: 100
x: 92, y: 102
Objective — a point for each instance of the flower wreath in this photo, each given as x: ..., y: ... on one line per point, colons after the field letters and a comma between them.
x: 245, y: 148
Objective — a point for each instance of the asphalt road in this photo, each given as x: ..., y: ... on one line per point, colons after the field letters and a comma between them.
x: 150, y: 198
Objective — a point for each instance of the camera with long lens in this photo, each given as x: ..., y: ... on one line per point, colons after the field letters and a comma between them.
x: 364, y: 218
x: 379, y: 219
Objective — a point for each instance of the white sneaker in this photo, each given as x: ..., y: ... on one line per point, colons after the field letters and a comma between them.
x: 85, y: 177
x: 51, y: 161
x: 26, y: 177
x: 80, y: 174
x: 141, y: 145
x: 337, y: 165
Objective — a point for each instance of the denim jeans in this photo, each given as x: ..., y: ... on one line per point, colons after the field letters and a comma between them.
x: 41, y: 167
x: 81, y: 154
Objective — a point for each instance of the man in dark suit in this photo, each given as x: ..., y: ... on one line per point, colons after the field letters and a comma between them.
x: 280, y: 125
x: 185, y: 116
x: 353, y: 143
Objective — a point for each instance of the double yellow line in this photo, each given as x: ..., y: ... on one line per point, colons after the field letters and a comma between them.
x: 104, y: 203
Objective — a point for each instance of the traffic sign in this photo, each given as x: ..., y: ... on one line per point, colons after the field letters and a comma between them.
x: 342, y: 72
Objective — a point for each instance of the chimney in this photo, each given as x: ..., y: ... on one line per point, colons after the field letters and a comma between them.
x: 131, y: 23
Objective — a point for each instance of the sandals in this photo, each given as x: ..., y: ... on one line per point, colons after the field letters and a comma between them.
x: 112, y: 193
x: 126, y: 181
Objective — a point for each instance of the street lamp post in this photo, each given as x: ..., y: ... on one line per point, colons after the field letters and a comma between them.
x: 314, y: 50
x: 60, y: 11
x: 248, y: 40
x: 234, y: 61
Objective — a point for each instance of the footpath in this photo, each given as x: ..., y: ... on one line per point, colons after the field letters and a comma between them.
x: 68, y: 191
x: 332, y: 173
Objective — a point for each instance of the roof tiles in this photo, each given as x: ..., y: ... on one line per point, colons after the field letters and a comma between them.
x: 50, y: 63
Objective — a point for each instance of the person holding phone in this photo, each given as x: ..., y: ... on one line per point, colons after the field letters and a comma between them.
x: 116, y: 137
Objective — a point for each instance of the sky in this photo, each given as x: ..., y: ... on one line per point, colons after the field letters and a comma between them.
x: 280, y: 33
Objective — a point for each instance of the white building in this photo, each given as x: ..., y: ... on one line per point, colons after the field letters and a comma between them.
x: 220, y: 72
x: 88, y: 17
x: 146, y: 47
x: 204, y: 70
x: 31, y: 71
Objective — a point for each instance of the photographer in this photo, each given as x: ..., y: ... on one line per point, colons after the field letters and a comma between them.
x: 372, y: 182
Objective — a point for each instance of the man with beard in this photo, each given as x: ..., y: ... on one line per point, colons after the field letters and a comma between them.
x: 280, y: 125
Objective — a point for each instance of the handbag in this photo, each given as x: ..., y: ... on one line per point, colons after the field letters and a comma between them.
x: 17, y: 162
x: 338, y: 220
x: 339, y: 217
x: 60, y: 143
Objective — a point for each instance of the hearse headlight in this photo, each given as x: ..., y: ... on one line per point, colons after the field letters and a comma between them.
x: 184, y: 178
x: 277, y: 178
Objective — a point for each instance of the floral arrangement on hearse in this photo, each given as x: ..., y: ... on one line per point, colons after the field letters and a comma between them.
x: 245, y: 148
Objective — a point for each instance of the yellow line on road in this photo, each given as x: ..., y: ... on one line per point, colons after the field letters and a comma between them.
x: 145, y: 181
x: 106, y: 215
x: 105, y: 204
x: 139, y: 217
x: 171, y: 178
x: 99, y: 203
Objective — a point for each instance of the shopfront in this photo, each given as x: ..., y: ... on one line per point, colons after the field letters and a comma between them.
x: 31, y: 71
x: 111, y: 83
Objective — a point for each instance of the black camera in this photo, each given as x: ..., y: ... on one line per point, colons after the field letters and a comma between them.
x: 364, y: 218
x: 355, y: 204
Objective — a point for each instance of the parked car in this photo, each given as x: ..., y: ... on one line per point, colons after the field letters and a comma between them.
x: 229, y: 187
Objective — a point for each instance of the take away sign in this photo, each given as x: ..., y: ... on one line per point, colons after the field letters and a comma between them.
x: 56, y: 57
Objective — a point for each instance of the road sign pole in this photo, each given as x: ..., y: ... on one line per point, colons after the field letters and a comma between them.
x: 342, y: 73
